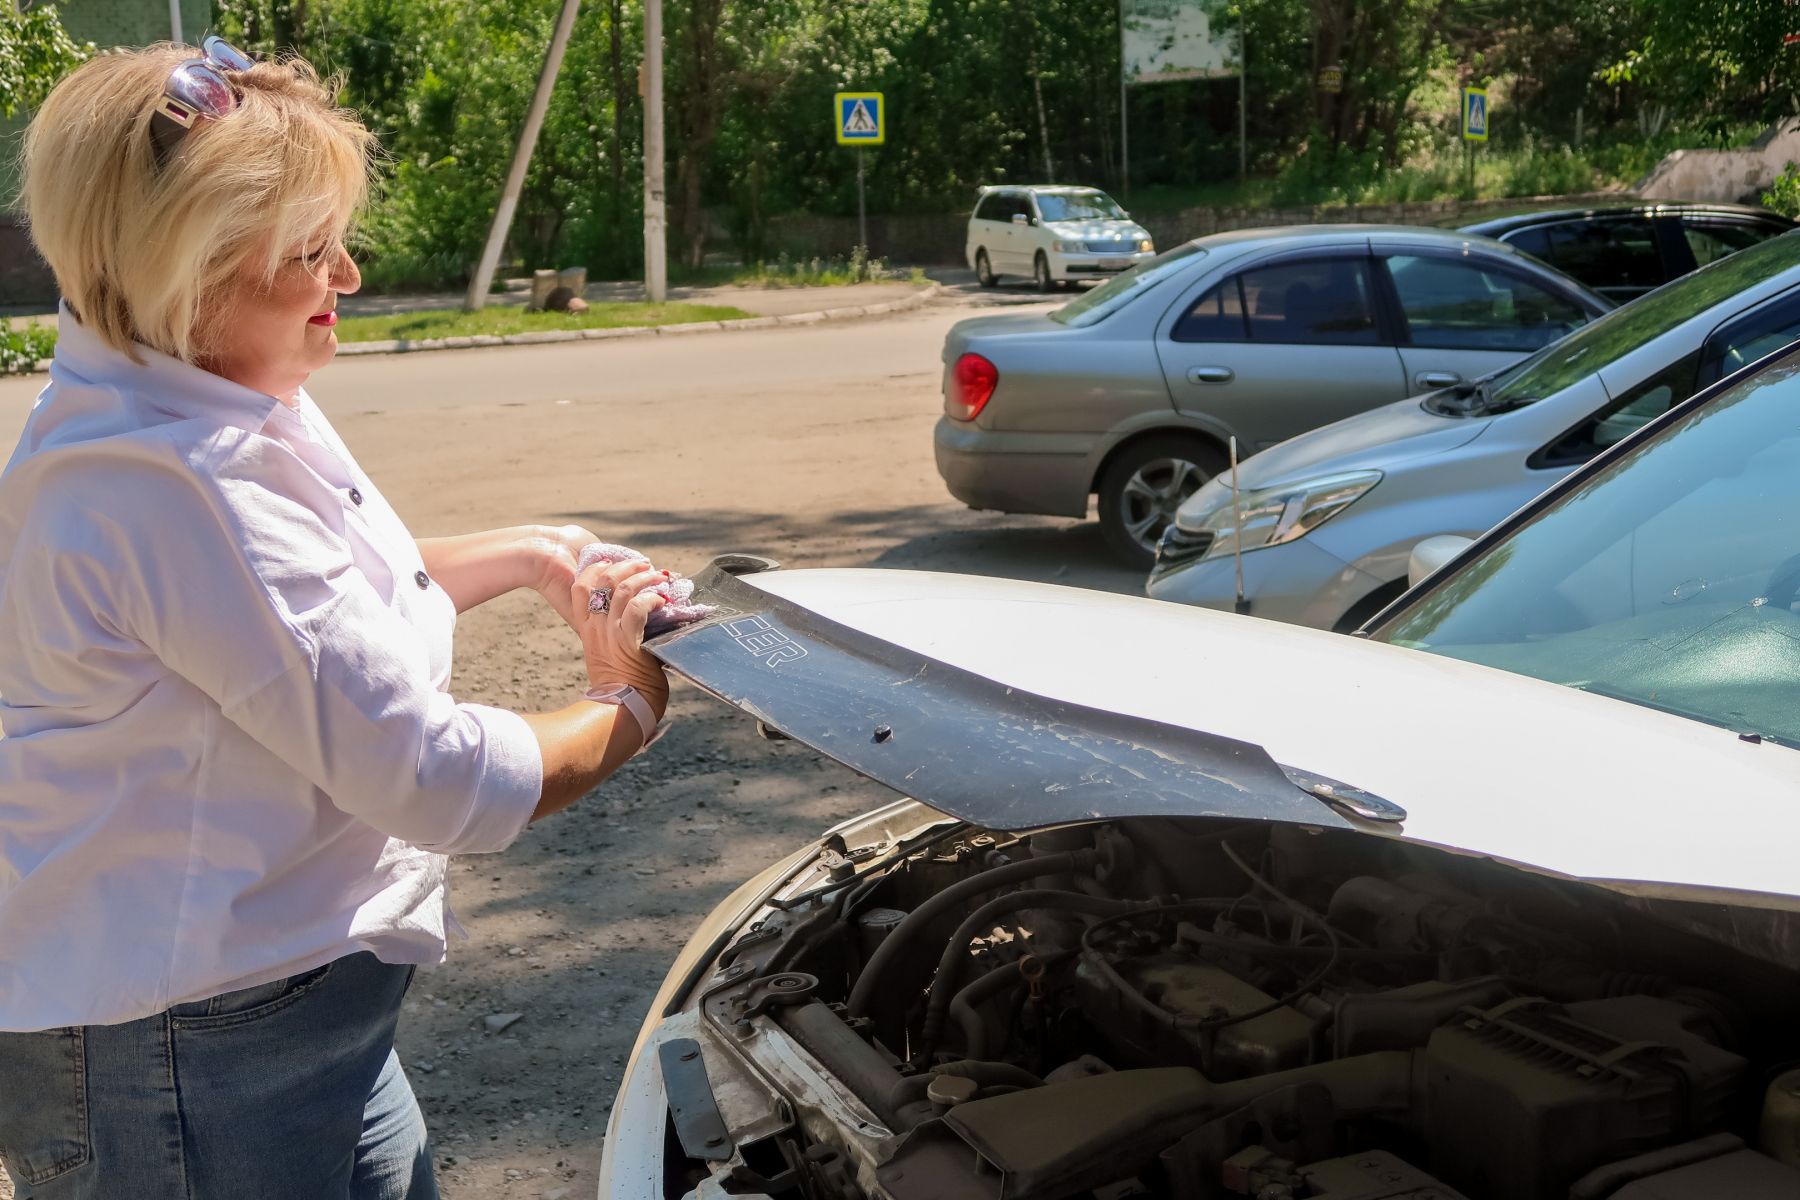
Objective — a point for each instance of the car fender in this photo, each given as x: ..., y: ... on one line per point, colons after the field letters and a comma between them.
x: 1149, y: 424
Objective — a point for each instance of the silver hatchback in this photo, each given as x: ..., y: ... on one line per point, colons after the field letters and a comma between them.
x: 1133, y: 391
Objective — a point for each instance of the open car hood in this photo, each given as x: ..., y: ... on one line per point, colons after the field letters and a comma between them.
x: 1015, y: 705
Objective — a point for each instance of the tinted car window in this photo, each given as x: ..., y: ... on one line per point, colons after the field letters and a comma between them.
x: 1078, y: 206
x: 1759, y: 332
x: 1668, y: 577
x: 990, y: 208
x: 1217, y: 316
x: 1614, y: 335
x: 1635, y: 409
x: 1458, y: 304
x: 1711, y: 240
x: 1324, y: 302
x: 1096, y: 305
x: 1615, y: 254
x: 1535, y: 242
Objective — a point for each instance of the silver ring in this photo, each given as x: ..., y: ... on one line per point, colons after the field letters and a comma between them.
x: 600, y: 601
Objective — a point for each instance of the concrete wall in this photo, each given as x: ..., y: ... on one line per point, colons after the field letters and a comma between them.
x: 937, y: 240
x: 1724, y: 176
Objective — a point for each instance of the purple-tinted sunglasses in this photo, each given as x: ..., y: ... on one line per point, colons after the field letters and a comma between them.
x: 197, y: 88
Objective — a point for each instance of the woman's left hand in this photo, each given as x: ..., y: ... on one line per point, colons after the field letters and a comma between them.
x: 558, y: 547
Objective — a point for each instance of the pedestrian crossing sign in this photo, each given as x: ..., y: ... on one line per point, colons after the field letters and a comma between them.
x: 1475, y: 114
x: 861, y: 119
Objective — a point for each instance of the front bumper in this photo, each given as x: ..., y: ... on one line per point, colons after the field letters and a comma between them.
x: 992, y: 470
x: 1087, y: 266
x: 1296, y: 582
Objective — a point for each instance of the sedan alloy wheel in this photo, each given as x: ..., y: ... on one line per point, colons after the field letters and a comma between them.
x: 1140, y: 491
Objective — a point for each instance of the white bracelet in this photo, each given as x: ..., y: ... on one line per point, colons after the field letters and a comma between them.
x: 632, y: 701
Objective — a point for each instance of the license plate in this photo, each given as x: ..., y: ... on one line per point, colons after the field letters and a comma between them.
x: 1114, y: 264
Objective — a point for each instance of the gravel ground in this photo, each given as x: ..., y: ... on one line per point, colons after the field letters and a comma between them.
x: 810, y: 444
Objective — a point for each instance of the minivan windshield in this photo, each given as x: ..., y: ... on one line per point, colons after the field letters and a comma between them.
x: 1611, y: 337
x: 1078, y: 206
x: 1668, y: 577
x: 1100, y: 303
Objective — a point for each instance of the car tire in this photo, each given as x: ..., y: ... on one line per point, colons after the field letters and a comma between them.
x: 1140, y: 489
x: 1040, y: 273
x: 984, y: 270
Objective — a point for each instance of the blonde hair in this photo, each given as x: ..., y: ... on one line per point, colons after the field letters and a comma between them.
x: 145, y: 253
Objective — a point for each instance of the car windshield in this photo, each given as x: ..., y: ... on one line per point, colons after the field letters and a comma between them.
x: 1078, y: 206
x: 1611, y: 337
x: 1100, y: 303
x: 1669, y: 577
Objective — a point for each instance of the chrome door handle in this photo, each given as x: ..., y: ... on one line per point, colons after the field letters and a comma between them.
x: 1211, y: 374
x: 1437, y: 379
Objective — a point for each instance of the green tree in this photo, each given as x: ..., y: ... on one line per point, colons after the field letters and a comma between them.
x: 35, y: 51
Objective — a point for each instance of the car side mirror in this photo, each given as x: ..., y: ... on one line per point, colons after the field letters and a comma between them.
x: 1433, y: 553
x: 1021, y: 219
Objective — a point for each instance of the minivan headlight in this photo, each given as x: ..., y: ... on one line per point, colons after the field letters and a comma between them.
x: 1069, y: 247
x: 1271, y: 516
x: 1146, y: 246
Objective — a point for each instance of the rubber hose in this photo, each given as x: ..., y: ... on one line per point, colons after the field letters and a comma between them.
x: 943, y: 984
x: 868, y: 984
x: 964, y: 1004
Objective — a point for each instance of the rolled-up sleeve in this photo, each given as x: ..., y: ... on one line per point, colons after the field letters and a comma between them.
x: 260, y: 605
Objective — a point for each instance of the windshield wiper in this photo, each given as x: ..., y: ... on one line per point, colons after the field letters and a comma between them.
x: 1465, y: 401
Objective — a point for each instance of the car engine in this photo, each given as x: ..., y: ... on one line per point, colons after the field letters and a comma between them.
x: 1188, y: 1008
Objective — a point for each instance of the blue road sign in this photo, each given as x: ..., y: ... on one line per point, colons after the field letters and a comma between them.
x: 1475, y: 114
x: 861, y: 119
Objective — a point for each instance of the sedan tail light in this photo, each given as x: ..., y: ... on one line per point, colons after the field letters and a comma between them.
x: 972, y: 383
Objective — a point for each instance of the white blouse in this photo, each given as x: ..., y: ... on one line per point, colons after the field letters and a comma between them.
x: 227, y: 754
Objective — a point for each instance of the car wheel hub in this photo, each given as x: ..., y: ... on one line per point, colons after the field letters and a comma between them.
x: 1154, y: 492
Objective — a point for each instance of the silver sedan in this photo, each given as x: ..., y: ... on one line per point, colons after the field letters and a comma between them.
x: 1134, y: 391
x: 1322, y: 527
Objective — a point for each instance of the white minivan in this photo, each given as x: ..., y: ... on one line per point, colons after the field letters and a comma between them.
x: 1053, y: 235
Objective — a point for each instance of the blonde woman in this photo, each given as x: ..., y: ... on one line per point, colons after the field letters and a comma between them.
x: 230, y: 771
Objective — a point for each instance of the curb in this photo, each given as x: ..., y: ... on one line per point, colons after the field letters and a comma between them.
x: 918, y: 299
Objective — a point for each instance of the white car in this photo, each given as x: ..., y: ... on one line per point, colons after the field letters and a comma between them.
x: 1052, y: 235
x: 1498, y: 903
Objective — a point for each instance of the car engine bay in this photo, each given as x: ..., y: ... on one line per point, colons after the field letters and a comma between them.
x: 1181, y: 1007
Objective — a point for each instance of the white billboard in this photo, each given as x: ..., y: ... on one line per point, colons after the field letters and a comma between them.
x: 1166, y: 40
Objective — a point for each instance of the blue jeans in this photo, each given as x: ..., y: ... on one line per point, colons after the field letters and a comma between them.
x: 286, y: 1091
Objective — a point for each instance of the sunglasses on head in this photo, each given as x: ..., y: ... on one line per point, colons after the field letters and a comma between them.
x: 196, y: 89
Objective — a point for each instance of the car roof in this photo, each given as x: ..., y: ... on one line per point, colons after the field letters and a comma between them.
x: 1543, y: 214
x: 1245, y: 240
x: 1039, y: 187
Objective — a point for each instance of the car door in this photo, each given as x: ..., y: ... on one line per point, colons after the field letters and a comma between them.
x: 1008, y: 236
x: 995, y: 229
x: 1282, y: 346
x: 1464, y: 314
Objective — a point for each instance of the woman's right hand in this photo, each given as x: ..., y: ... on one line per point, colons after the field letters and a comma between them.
x: 613, y: 641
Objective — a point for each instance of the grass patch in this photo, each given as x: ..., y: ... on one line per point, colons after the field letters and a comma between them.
x: 499, y: 321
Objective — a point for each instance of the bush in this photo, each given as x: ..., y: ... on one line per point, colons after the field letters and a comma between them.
x: 1783, y: 195
x: 22, y: 349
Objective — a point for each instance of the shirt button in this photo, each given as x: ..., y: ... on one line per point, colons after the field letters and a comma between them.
x: 422, y: 579
x: 356, y: 497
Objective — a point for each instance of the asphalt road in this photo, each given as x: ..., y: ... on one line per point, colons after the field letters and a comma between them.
x: 811, y: 445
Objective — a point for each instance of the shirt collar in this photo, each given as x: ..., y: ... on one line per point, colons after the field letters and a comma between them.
x: 172, y: 387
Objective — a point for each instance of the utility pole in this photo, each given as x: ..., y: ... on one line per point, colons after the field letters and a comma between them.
x: 175, y: 20
x: 515, y: 178
x: 656, y: 221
